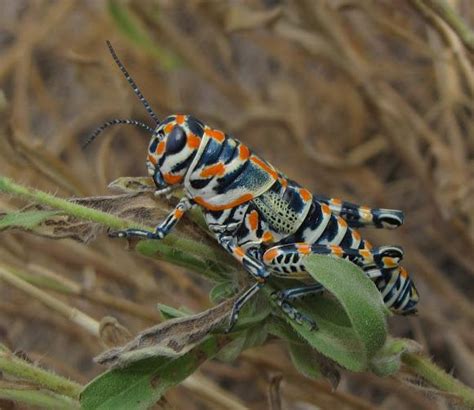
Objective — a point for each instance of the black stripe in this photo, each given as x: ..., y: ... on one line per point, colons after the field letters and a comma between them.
x: 224, y: 182
x: 184, y: 164
x: 199, y: 183
x: 210, y: 154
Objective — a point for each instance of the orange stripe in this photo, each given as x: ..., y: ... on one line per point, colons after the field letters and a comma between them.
x: 244, y: 152
x: 244, y: 198
x: 264, y: 166
x: 356, y: 235
x: 194, y: 141
x: 270, y: 255
x: 169, y: 127
x: 337, y: 250
x: 283, y: 182
x: 152, y: 159
x: 267, y: 237
x: 389, y: 262
x: 160, y: 148
x: 215, y: 134
x: 178, y: 213
x: 403, y: 272
x: 180, y: 118
x: 253, y: 220
x: 172, y: 179
x: 213, y: 170
x: 326, y: 210
x: 239, y: 252
x: 305, y: 194
x: 336, y: 201
x: 342, y: 222
x: 303, y: 248
x: 368, y: 245
x: 365, y: 253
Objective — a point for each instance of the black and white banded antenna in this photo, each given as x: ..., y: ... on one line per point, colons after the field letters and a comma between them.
x: 132, y: 83
x: 137, y: 92
x: 116, y: 121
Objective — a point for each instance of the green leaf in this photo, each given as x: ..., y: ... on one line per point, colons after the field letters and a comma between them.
x: 222, y: 290
x: 205, y: 265
x: 253, y: 313
x: 388, y: 360
x: 313, y: 364
x: 255, y: 336
x: 351, y: 330
x: 25, y: 219
x: 304, y: 360
x: 143, y: 383
x: 169, y: 312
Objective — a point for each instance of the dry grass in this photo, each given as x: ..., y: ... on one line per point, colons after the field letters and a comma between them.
x: 364, y: 100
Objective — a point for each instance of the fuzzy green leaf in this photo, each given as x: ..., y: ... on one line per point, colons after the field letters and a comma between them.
x: 304, y: 361
x: 254, y: 336
x: 173, y: 252
x: 26, y: 219
x: 143, y: 383
x: 351, y: 330
x: 169, y: 312
x: 222, y: 290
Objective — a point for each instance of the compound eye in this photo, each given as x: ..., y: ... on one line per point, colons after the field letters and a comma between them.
x: 176, y: 140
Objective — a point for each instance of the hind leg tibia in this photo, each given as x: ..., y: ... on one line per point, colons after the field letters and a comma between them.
x: 358, y: 216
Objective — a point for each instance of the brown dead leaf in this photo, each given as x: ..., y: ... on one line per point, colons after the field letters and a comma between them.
x: 173, y: 338
x: 112, y: 333
x: 141, y: 207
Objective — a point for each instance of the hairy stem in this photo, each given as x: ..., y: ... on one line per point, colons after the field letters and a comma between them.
x: 22, y: 369
x: 198, y: 252
x: 36, y: 398
x: 425, y: 368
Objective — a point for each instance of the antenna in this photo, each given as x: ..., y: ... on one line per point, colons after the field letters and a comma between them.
x: 116, y: 122
x: 129, y: 79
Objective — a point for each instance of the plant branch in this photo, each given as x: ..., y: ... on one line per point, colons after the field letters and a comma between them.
x: 194, y: 251
x: 30, y: 396
x: 424, y: 367
x: 179, y: 251
x: 38, y: 399
x: 20, y: 368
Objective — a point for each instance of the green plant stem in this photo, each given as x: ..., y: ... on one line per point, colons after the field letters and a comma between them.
x: 418, y: 364
x: 17, y: 367
x: 37, y: 398
x: 83, y: 212
x: 70, y: 208
x: 425, y: 368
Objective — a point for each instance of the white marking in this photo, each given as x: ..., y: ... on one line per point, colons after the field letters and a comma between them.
x: 311, y: 236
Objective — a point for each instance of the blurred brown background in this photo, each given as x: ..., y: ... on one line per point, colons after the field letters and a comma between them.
x: 370, y: 101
